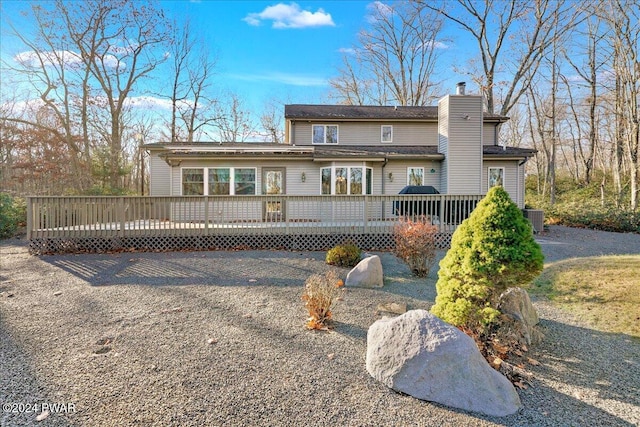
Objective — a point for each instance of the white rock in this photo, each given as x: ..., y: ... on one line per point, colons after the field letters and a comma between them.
x: 420, y: 355
x: 367, y: 274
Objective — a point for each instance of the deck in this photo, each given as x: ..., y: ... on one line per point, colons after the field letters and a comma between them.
x: 97, y: 224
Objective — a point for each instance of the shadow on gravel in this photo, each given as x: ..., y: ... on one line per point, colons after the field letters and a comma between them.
x: 595, y: 366
x: 240, y: 268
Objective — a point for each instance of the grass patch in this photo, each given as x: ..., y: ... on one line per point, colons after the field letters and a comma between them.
x: 602, y: 291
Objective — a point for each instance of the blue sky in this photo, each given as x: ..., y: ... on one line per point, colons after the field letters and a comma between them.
x: 266, y: 49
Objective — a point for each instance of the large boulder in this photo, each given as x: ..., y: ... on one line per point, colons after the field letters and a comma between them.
x: 519, y: 315
x: 420, y: 355
x: 367, y: 274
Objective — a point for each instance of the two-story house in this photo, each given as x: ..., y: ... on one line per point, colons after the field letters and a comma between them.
x: 352, y: 150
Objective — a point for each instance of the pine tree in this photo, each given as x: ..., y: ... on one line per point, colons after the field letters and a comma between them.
x: 491, y: 251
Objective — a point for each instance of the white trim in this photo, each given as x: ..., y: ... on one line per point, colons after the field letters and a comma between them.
x: 325, y: 134
x: 232, y: 179
x: 409, y: 174
x: 333, y: 168
x: 489, y: 176
x: 382, y: 134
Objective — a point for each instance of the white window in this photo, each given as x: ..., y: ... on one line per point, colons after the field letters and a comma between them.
x: 192, y: 182
x: 325, y: 134
x: 220, y: 181
x: 386, y: 133
x: 496, y: 177
x: 346, y: 180
x: 415, y: 176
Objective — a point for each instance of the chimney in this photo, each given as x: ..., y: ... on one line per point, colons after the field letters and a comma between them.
x: 460, y: 88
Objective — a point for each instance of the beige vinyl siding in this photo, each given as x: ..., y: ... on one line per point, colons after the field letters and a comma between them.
x: 364, y: 133
x: 443, y: 142
x: 160, y: 184
x: 513, y: 176
x: 489, y: 134
x: 399, y: 170
x: 463, y: 136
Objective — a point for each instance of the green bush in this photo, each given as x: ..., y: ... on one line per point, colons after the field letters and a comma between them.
x: 347, y: 255
x: 492, y: 250
x: 12, y: 214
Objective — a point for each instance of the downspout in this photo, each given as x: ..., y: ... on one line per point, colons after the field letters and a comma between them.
x: 384, y: 208
x: 523, y: 183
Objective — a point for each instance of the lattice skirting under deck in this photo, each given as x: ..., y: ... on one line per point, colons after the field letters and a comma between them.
x: 301, y: 242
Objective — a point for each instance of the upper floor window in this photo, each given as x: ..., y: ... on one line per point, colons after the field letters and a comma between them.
x: 325, y: 134
x: 386, y: 133
x: 496, y: 177
x: 415, y: 176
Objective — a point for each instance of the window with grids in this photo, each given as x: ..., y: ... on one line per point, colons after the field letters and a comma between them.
x: 346, y: 180
x: 220, y: 181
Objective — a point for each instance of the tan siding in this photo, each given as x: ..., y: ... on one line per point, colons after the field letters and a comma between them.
x: 489, y: 134
x: 160, y: 171
x: 464, y: 154
x: 443, y: 142
x: 362, y: 133
x: 399, y: 171
x: 512, y: 178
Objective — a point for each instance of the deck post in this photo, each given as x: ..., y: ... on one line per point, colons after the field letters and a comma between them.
x: 365, y: 212
x: 206, y: 215
x: 121, y: 216
x: 29, y: 217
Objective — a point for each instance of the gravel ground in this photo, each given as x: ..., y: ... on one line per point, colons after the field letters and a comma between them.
x: 217, y: 338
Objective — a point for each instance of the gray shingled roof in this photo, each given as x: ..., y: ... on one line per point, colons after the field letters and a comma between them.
x: 367, y: 112
x: 264, y: 150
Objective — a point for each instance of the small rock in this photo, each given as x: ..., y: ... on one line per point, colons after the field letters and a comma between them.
x: 330, y: 356
x: 42, y: 416
x: 367, y: 274
x: 102, y: 350
x: 392, y: 307
x: 58, y: 293
x: 212, y: 341
x: 9, y: 295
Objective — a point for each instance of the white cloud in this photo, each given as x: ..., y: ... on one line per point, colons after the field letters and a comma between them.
x: 347, y: 50
x: 437, y: 45
x: 56, y: 57
x: 290, y: 16
x: 283, y: 78
x: 33, y: 59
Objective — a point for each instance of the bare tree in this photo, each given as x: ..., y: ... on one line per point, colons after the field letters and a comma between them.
x: 493, y: 26
x: 192, y: 69
x: 271, y: 121
x: 394, y: 60
x: 624, y: 19
x: 234, y: 123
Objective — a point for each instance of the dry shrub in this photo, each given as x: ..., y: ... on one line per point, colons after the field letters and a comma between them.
x: 321, y: 291
x: 416, y: 244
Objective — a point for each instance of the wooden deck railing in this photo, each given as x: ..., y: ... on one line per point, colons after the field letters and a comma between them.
x: 80, y: 216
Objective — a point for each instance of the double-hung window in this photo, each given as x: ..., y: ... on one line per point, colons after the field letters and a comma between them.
x: 193, y: 182
x: 386, y: 133
x: 496, y: 177
x: 415, y: 176
x: 220, y: 181
x: 325, y: 134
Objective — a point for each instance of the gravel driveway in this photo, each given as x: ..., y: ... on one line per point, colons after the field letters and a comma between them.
x: 217, y: 339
